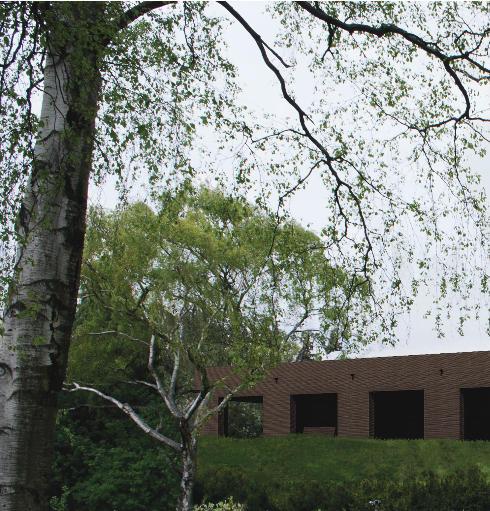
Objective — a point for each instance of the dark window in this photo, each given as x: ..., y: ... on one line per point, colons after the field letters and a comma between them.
x: 242, y: 417
x: 397, y: 414
x: 314, y: 411
x: 476, y: 413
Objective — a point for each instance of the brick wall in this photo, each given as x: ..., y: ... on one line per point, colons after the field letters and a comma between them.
x: 440, y: 377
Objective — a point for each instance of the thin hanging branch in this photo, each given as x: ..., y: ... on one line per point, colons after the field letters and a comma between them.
x: 329, y: 160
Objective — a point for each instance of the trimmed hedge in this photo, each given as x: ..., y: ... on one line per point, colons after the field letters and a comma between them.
x: 466, y: 489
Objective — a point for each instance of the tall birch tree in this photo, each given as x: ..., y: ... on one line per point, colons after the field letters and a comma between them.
x: 50, y: 229
x: 130, y: 85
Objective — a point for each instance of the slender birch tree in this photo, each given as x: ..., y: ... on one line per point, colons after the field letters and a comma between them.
x: 208, y: 280
x: 129, y: 86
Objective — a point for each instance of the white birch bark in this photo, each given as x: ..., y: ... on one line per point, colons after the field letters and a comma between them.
x: 189, y: 455
x: 42, y: 301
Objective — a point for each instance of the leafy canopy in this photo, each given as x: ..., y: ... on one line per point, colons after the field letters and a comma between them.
x: 244, y: 287
x: 392, y: 126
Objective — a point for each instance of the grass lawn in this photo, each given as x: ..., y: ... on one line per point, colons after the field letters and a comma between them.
x: 299, y: 457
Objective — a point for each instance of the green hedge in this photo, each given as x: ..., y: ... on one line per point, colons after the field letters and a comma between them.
x: 466, y: 489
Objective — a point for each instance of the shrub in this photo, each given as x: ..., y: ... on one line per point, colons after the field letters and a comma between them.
x: 227, y: 505
x: 106, y: 465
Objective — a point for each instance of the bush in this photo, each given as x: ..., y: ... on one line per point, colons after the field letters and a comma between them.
x: 227, y: 505
x: 466, y: 489
x: 103, y: 462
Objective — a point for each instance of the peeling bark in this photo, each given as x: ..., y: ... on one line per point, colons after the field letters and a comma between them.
x: 41, y: 307
x: 189, y: 456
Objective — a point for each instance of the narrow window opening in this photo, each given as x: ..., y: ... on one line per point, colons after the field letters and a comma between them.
x: 475, y: 413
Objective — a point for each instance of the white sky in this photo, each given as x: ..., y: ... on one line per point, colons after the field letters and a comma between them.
x: 261, y: 91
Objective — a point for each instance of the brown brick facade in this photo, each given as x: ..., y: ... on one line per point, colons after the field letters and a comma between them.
x: 441, y: 378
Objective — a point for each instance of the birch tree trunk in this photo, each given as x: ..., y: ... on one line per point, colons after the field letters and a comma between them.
x: 41, y: 306
x: 189, y: 455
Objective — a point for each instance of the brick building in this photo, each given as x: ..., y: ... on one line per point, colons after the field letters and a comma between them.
x: 417, y: 396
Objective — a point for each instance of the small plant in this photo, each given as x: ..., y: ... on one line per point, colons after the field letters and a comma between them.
x: 226, y: 505
x: 60, y: 503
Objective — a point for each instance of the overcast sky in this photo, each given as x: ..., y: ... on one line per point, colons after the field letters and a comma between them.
x: 261, y: 92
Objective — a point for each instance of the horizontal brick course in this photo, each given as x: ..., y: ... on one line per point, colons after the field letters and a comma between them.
x: 441, y: 377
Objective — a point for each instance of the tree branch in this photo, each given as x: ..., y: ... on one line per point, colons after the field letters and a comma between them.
x: 169, y: 401
x: 144, y: 383
x: 139, y: 10
x: 173, y: 380
x: 296, y: 327
x: 200, y: 421
x: 116, y: 332
x: 205, y: 390
x: 428, y: 47
x: 128, y: 410
x: 131, y: 15
x: 303, y: 117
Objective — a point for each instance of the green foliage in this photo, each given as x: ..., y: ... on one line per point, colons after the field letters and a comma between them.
x: 159, y: 91
x: 227, y: 505
x: 393, y: 125
x: 410, y: 102
x: 242, y: 280
x: 102, y: 461
x: 93, y: 471
x: 244, y: 419
x: 156, y: 74
x: 462, y: 490
x: 217, y: 281
x: 314, y: 473
x: 60, y: 503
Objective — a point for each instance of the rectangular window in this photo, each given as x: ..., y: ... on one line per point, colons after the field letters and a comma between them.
x: 475, y: 413
x: 242, y: 417
x: 397, y: 414
x: 314, y: 413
